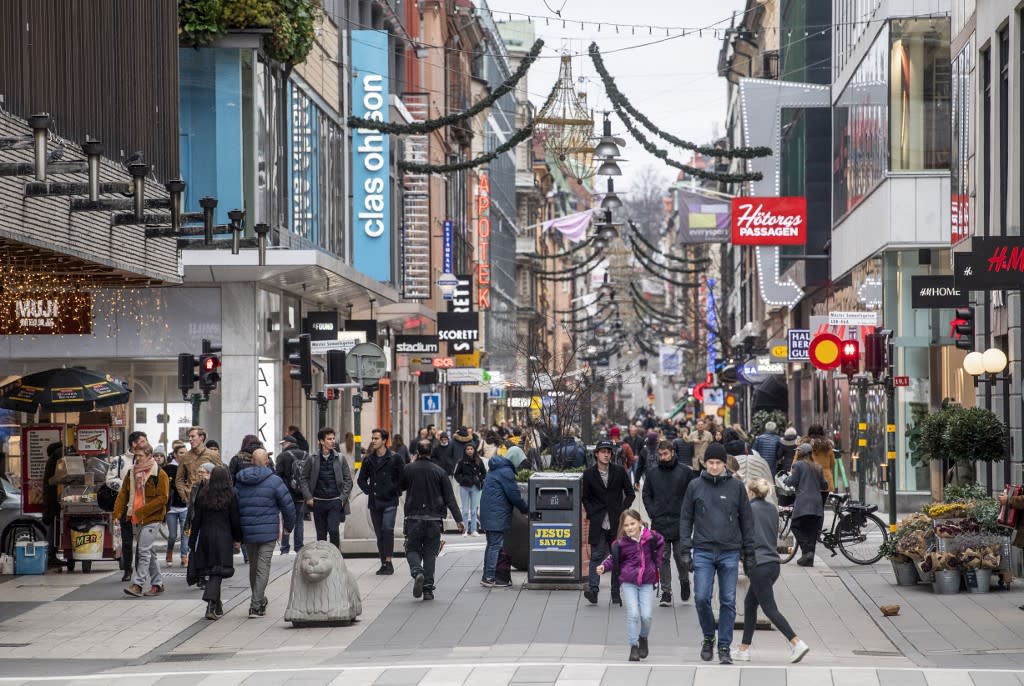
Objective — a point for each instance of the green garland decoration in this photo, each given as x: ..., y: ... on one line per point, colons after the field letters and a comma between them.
x: 617, y: 98
x: 576, y: 269
x: 570, y: 251
x: 661, y: 154
x: 571, y: 276
x: 417, y: 168
x: 681, y: 284
x: 654, y: 249
x: 649, y: 259
x: 423, y: 127
x: 647, y: 308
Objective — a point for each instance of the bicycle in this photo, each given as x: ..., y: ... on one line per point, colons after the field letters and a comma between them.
x: 855, y: 531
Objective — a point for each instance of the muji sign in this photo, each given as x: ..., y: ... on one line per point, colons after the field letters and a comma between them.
x: 769, y: 221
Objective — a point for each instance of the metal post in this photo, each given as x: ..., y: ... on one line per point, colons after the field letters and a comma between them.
x: 321, y: 410
x: 138, y: 170
x: 862, y: 436
x: 1007, y: 477
x: 40, y: 123
x: 197, y: 402
x: 890, y: 447
x: 208, y: 205
x: 357, y: 425
x: 93, y: 149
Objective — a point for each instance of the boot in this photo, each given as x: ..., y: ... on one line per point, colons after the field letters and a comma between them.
x: 642, y: 648
x: 169, y: 557
x: 211, y: 609
x: 220, y: 609
x: 806, y: 560
x: 634, y: 654
x: 616, y: 598
x: 684, y: 590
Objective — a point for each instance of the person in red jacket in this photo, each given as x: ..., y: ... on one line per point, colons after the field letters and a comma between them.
x: 636, y: 555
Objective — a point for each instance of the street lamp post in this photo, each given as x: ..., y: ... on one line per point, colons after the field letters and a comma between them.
x: 992, y: 363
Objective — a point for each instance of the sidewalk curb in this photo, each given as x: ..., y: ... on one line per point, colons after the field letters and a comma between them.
x: 894, y: 635
x: 192, y: 630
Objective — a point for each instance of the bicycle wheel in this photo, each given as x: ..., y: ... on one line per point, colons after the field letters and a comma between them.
x: 786, y: 544
x: 862, y: 544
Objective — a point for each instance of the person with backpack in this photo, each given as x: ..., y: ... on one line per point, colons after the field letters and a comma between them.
x: 664, y: 490
x: 622, y: 454
x: 500, y: 495
x: 470, y: 474
x: 634, y: 558
x: 289, y: 468
x: 647, y: 459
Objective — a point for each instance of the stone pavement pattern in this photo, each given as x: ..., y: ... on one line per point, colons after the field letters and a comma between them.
x: 81, y: 629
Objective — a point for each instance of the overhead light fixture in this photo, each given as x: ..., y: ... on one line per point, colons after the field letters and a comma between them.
x: 609, y: 168
x: 611, y: 200
x: 606, y: 145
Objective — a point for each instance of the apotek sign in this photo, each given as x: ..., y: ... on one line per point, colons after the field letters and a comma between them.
x: 483, y: 235
x: 769, y: 221
x: 371, y: 208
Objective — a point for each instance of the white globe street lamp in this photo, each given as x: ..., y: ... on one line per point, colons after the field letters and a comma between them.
x: 974, y: 363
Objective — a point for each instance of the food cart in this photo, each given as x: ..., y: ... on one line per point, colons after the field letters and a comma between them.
x: 87, y: 533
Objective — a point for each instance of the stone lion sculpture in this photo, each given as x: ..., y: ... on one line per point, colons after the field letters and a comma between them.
x: 322, y: 590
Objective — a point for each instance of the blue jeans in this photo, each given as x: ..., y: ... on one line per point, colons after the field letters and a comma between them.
x: 597, y: 555
x: 470, y: 504
x: 176, y: 521
x: 300, y: 511
x: 707, y: 564
x: 495, y: 539
x: 639, y: 604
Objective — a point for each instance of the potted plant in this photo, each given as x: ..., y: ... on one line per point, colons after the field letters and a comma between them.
x: 974, y: 435
x: 907, y: 546
x: 946, y: 569
x: 902, y: 566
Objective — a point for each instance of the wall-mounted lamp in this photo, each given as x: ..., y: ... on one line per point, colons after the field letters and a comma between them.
x: 237, y: 217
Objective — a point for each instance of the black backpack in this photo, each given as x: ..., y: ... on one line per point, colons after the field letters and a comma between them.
x: 295, y: 480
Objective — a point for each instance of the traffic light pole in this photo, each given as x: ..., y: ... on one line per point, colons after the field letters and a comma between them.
x: 862, y: 436
x: 197, y: 399
x: 890, y: 445
x: 321, y: 410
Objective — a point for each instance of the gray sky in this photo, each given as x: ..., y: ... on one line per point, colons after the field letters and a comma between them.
x: 675, y: 82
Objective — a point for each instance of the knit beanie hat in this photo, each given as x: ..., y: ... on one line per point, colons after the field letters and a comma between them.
x: 715, y: 451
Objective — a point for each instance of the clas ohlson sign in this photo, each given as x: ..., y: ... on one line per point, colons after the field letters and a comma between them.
x: 371, y: 188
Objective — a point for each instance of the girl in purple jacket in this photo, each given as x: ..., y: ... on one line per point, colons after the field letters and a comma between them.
x: 636, y: 555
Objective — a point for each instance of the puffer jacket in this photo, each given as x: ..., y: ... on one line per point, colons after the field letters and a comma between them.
x: 767, y: 446
x: 500, y: 495
x: 638, y: 563
x: 663, y: 495
x: 470, y: 472
x: 262, y: 500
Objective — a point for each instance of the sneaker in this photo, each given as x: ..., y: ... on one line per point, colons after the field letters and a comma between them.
x: 806, y: 560
x: 254, y: 611
x: 798, y: 651
x: 428, y: 595
x: 475, y: 533
x: 262, y: 611
x: 634, y: 654
x: 741, y: 655
x: 591, y: 596
x: 724, y: 656
x: 707, y: 649
x: 684, y: 591
x: 502, y: 583
x: 134, y: 590
x: 388, y: 569
x: 154, y: 590
x: 666, y: 599
x: 127, y: 576
x: 417, y: 586
x: 487, y: 583
x: 465, y: 534
x: 644, y: 652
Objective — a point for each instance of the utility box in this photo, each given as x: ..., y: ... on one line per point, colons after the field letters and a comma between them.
x: 556, y: 532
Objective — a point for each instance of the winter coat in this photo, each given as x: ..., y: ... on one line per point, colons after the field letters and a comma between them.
x: 158, y: 490
x: 470, y: 472
x: 458, y: 444
x: 636, y: 564
x: 342, y: 474
x: 826, y: 459
x: 444, y: 455
x: 753, y: 467
x: 500, y: 495
x: 663, y: 495
x: 809, y: 485
x: 213, y: 537
x: 176, y: 500
x: 785, y: 456
x: 285, y: 465
x: 700, y: 440
x: 570, y: 453
x: 239, y: 462
x: 767, y: 446
x: 766, y: 531
x: 380, y: 477
x: 716, y: 515
x: 684, y: 451
x: 428, y: 492
x: 646, y: 461
x: 262, y: 500
x: 600, y: 500
x: 188, y: 470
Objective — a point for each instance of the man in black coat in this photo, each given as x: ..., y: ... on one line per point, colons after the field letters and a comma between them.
x: 428, y: 494
x: 606, y: 492
x: 379, y: 477
x: 288, y: 466
x: 663, y: 494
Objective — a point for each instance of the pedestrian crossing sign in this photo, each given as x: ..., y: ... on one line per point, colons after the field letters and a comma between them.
x: 430, y: 403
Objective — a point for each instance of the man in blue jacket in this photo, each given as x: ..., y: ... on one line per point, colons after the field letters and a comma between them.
x: 500, y: 495
x: 767, y: 445
x: 263, y: 499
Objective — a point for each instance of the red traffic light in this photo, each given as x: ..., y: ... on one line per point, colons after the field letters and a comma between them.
x: 210, y: 364
x: 850, y: 350
x: 849, y: 354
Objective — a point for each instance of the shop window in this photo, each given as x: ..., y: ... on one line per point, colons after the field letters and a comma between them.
x: 960, y: 150
x: 919, y: 94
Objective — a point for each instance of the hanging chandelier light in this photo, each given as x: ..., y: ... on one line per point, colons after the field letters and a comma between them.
x: 611, y: 200
x: 567, y: 127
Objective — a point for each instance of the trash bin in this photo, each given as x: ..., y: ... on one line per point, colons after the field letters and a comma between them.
x: 87, y: 538
x: 555, y: 528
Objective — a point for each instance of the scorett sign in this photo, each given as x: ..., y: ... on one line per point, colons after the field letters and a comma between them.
x: 769, y: 221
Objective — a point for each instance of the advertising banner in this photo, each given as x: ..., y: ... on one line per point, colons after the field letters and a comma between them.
x: 702, y: 218
x: 935, y: 291
x: 670, y: 359
x: 991, y: 264
x: 417, y: 345
x: 458, y: 326
x: 798, y: 342
x: 371, y: 188
x: 769, y: 221
x: 322, y: 326
x: 34, y: 440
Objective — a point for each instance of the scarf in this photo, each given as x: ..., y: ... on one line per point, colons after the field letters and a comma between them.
x: 140, y: 472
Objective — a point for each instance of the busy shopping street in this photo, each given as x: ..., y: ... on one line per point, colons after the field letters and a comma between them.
x: 512, y: 342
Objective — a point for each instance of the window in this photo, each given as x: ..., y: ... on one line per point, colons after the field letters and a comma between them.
x: 986, y: 139
x: 960, y: 150
x: 1004, y: 125
x: 919, y: 94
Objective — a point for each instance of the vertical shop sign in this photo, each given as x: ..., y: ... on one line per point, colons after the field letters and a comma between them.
x: 447, y: 248
x: 483, y: 235
x: 712, y: 322
x: 371, y: 188
x: 265, y: 407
